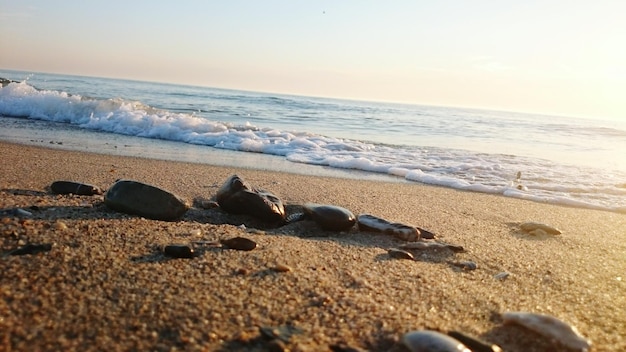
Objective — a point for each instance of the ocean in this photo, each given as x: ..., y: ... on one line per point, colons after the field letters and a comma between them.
x: 551, y: 159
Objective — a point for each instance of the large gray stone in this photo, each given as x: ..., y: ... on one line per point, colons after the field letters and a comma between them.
x: 133, y: 197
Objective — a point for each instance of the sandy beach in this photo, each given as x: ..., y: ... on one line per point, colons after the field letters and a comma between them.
x: 105, y: 286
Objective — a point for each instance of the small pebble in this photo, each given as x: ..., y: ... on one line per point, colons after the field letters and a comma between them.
x: 60, y: 225
x: 502, y: 276
x: 400, y: 254
x: 282, y: 268
x: 243, y: 271
x: 178, y: 251
x: 239, y: 243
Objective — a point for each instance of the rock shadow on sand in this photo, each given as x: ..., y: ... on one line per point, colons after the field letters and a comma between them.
x: 433, y: 256
x: 24, y: 192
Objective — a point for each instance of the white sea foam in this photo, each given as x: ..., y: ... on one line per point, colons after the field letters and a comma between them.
x: 542, y: 180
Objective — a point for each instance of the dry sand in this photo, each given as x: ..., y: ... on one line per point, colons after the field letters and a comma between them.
x: 103, y: 286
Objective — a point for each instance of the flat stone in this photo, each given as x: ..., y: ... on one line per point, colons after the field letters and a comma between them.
x: 239, y: 243
x: 136, y: 198
x: 178, y: 251
x: 330, y: 217
x: 368, y: 222
x: 71, y: 187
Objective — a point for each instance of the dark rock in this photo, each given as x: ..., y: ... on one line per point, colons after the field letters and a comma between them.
x: 178, y: 251
x: 141, y: 199
x: 330, y: 217
x: 32, y: 249
x: 240, y: 243
x: 236, y: 196
x: 70, y: 187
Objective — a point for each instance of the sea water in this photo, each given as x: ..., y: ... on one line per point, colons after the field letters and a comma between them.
x: 553, y: 159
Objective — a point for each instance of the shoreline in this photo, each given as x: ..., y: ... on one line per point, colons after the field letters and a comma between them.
x: 73, y: 138
x: 89, y: 141
x: 103, y: 287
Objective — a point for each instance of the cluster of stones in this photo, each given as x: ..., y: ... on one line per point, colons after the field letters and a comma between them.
x: 236, y: 196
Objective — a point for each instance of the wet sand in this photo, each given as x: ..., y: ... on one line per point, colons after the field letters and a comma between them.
x: 105, y: 286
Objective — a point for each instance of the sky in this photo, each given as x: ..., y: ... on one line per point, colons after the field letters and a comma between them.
x: 563, y: 57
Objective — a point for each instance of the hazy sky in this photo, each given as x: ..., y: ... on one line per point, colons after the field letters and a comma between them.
x: 562, y: 57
